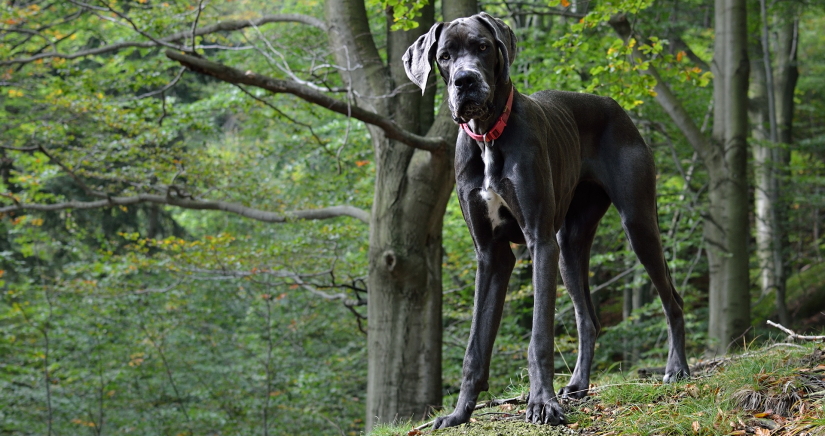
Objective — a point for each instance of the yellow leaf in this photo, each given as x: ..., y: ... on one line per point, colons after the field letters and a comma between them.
x: 565, y: 3
x: 15, y: 93
x: 695, y: 426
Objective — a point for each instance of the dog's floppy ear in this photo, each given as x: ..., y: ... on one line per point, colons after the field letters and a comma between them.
x: 505, y: 39
x: 418, y: 60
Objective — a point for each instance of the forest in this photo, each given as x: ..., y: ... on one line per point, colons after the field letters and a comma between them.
x: 239, y: 216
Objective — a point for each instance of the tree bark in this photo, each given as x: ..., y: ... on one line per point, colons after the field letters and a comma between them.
x: 770, y: 158
x: 412, y: 188
x: 726, y: 225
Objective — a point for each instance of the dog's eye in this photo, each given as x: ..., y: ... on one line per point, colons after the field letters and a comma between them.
x: 482, y: 47
x: 444, y: 56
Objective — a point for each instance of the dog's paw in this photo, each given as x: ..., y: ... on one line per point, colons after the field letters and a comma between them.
x: 672, y: 376
x: 450, y: 420
x: 544, y: 410
x: 573, y: 391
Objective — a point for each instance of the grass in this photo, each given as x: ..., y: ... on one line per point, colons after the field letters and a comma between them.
x: 776, y: 390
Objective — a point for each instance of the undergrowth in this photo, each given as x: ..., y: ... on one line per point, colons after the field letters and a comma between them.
x: 777, y: 390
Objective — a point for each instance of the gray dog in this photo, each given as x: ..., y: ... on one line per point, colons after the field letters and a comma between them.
x: 541, y: 170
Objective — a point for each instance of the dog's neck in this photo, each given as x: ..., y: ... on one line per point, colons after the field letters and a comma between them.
x: 500, y: 99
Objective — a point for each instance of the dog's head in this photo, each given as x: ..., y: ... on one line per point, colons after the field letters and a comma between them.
x: 473, y: 54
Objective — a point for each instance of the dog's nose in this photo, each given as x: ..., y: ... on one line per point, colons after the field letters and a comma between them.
x: 464, y: 79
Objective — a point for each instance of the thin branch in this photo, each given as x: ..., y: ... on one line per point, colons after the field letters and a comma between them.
x: 232, y: 75
x: 71, y: 173
x: 223, y: 26
x: 602, y: 286
x: 612, y: 280
x: 168, y: 370
x: 146, y: 35
x: 26, y: 149
x: 281, y: 113
x: 793, y: 335
x: 196, y: 204
x: 195, y: 24
x: 165, y: 88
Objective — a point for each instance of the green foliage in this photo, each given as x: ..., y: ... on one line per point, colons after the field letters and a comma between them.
x: 404, y: 12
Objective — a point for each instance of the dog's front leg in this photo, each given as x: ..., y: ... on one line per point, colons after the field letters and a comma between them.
x: 495, y: 264
x: 542, y: 406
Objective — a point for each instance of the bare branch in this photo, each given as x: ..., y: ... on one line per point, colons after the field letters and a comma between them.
x: 231, y: 75
x: 196, y: 204
x: 195, y: 24
x: 223, y: 26
x: 146, y: 35
x: 793, y: 335
x: 27, y: 149
x: 165, y: 87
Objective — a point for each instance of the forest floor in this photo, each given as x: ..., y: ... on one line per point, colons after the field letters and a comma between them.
x: 775, y: 390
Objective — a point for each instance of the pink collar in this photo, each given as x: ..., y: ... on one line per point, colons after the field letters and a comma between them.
x: 498, y: 127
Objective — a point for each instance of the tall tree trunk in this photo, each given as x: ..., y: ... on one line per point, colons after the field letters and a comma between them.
x: 766, y: 194
x: 412, y: 188
x: 770, y: 158
x: 726, y: 226
x: 785, y: 83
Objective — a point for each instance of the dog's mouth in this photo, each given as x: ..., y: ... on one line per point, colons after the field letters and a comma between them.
x: 470, y: 109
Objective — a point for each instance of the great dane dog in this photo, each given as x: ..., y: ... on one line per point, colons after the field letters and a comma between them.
x: 542, y: 170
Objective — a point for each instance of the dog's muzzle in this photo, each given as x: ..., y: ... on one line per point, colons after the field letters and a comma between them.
x: 469, y: 96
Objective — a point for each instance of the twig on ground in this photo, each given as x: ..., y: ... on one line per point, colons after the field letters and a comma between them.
x: 793, y: 335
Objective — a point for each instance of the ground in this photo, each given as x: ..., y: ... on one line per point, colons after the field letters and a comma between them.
x: 775, y: 390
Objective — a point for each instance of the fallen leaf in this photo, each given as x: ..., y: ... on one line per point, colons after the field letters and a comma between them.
x: 414, y: 432
x: 759, y: 431
x: 695, y: 426
x: 573, y: 426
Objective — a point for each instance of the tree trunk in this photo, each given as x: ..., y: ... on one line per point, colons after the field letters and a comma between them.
x: 770, y: 160
x: 785, y: 83
x: 726, y: 226
x: 412, y: 188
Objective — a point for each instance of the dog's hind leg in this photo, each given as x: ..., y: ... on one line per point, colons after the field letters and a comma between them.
x: 575, y: 237
x: 635, y: 199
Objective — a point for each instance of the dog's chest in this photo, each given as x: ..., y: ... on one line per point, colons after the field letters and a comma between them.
x: 488, y: 194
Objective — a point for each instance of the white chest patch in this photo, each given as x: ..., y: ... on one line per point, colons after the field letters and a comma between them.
x: 493, y: 200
